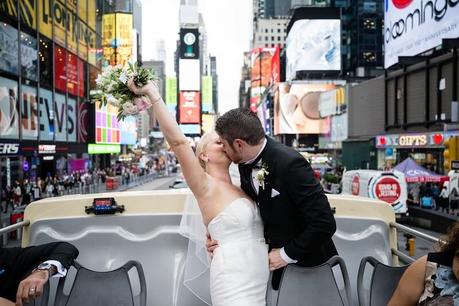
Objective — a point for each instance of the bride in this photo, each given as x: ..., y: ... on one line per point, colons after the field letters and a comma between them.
x: 239, y: 270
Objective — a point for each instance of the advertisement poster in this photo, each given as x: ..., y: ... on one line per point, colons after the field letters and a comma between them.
x: 68, y: 72
x: 45, y: 16
x: 296, y: 109
x: 9, y: 115
x: 208, y: 123
x: 313, y: 45
x: 207, y: 95
x: 9, y: 51
x: 29, y: 57
x: 412, y: 27
x: 29, y: 112
x: 128, y: 129
x: 83, y: 122
x: 71, y: 120
x: 59, y: 16
x: 60, y: 117
x: 171, y: 94
x: 190, y: 110
x: 189, y: 44
x: 265, y: 65
x: 107, y: 126
x: 27, y: 9
x: 46, y: 114
x: 117, y: 37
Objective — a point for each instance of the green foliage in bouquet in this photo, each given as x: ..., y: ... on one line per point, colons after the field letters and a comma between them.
x: 111, y: 88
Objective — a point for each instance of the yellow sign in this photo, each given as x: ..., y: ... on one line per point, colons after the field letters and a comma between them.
x: 45, y: 16
x: 27, y: 8
x: 117, y: 37
x: 208, y: 123
x: 59, y: 14
x: 83, y: 10
x: 92, y: 14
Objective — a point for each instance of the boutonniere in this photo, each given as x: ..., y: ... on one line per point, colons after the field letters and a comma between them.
x: 262, y: 174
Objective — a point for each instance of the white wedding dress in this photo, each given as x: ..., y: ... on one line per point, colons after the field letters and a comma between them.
x: 239, y: 270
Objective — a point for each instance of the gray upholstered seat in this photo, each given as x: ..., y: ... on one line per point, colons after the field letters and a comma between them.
x: 102, y: 288
x: 315, y: 286
x: 383, y: 282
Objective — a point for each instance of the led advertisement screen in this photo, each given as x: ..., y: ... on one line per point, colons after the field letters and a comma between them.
x: 29, y: 113
x: 189, y: 43
x: 9, y: 51
x: 68, y: 72
x: 128, y: 131
x: 189, y: 108
x: 296, y: 109
x: 107, y: 126
x: 189, y: 75
x: 265, y: 66
x: 46, y: 114
x: 313, y: 45
x: 207, y: 95
x: 9, y: 114
x: 414, y: 26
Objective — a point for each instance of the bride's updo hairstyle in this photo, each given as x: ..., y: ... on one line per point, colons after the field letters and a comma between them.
x: 201, y: 147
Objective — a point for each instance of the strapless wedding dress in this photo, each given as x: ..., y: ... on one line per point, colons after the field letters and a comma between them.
x: 239, y: 270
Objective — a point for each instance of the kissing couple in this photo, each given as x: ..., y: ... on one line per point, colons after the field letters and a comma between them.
x: 278, y: 216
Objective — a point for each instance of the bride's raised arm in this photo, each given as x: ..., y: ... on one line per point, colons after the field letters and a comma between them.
x: 195, y: 176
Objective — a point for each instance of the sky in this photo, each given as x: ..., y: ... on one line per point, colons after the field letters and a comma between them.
x: 229, y: 29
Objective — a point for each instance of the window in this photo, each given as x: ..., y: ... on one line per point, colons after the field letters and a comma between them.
x: 272, y: 38
x: 369, y: 23
x: 278, y: 30
x: 29, y: 58
x: 45, y: 57
x: 9, y: 49
x: 369, y: 56
x: 278, y: 38
x: 260, y: 38
x: 266, y: 37
x: 272, y: 31
x: 266, y: 30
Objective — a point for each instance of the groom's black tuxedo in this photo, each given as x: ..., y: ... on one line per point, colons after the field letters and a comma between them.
x: 299, y: 218
x: 17, y: 263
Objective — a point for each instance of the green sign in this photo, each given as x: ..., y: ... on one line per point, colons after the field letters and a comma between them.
x: 103, y: 148
x: 171, y: 92
x: 206, y: 88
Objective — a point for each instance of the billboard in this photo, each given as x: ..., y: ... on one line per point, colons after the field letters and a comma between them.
x: 189, y: 44
x: 107, y: 126
x: 60, y: 121
x: 29, y: 112
x: 9, y: 114
x: 265, y: 67
x: 46, y: 114
x: 414, y: 26
x: 208, y: 123
x: 171, y: 94
x: 27, y: 9
x: 207, y: 94
x: 9, y: 51
x: 313, y: 45
x: 333, y: 102
x: 189, y: 74
x: 128, y: 129
x: 71, y: 120
x: 68, y: 71
x: 83, y: 122
x: 117, y: 37
x: 296, y: 109
x: 189, y: 107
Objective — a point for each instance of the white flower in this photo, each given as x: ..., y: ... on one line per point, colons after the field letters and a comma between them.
x: 129, y: 108
x: 112, y: 100
x: 262, y: 174
x: 123, y: 77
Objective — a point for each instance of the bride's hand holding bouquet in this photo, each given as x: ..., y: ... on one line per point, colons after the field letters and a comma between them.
x: 112, y: 88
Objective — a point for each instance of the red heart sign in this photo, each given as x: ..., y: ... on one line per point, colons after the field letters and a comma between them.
x: 382, y: 140
x: 438, y: 139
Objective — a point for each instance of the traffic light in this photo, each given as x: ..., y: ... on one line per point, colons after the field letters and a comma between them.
x: 450, y: 152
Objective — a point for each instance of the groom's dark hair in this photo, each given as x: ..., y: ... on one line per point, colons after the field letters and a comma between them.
x: 240, y: 123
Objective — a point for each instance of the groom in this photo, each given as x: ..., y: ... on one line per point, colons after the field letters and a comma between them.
x: 298, y: 221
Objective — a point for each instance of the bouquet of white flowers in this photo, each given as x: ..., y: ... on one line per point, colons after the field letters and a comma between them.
x: 112, y: 88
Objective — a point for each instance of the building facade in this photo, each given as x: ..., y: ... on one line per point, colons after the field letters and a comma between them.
x: 270, y: 32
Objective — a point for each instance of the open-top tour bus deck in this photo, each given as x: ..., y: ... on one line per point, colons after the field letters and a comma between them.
x: 148, y: 231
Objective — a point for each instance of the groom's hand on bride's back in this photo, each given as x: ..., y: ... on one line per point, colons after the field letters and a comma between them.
x: 211, y: 244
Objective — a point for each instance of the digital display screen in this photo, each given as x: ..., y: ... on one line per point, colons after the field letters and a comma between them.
x: 104, y: 202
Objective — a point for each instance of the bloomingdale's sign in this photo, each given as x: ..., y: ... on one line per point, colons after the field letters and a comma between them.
x: 411, y: 140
